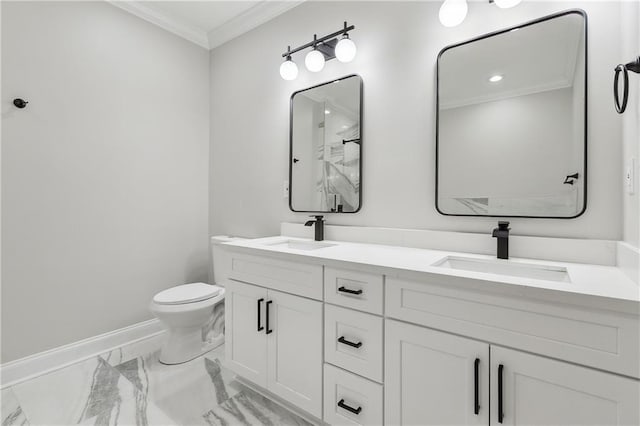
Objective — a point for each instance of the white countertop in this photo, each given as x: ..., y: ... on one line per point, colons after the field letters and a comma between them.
x: 595, y: 286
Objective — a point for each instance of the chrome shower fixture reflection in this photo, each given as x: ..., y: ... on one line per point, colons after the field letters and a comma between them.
x: 323, y: 49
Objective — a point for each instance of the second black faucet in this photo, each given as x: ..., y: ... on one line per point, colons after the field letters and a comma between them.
x: 502, y: 234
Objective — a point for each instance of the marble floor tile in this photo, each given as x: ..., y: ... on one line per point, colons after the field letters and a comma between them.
x: 250, y: 408
x: 132, y: 411
x: 182, y: 391
x: 11, y: 411
x: 88, y: 390
x: 128, y: 352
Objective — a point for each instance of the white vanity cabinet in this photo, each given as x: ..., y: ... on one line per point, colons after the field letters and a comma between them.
x: 540, y: 391
x: 359, y: 346
x: 274, y: 340
x: 434, y: 378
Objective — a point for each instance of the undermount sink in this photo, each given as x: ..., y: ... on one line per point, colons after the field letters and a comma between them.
x: 302, y: 245
x: 506, y: 267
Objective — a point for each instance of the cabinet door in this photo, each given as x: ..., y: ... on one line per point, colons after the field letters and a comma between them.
x: 540, y: 391
x: 246, y: 346
x: 294, y: 350
x: 432, y: 378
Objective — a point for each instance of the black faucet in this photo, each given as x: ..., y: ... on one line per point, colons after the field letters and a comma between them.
x: 319, y: 228
x: 502, y: 234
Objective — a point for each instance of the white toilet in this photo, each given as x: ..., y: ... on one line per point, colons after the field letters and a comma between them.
x: 193, y: 314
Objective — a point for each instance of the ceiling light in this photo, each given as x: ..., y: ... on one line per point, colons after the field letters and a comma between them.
x: 505, y: 4
x: 345, y: 49
x: 495, y: 78
x: 327, y: 111
x: 453, y: 12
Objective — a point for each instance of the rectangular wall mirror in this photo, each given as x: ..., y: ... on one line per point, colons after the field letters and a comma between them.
x: 325, y: 148
x: 511, y: 121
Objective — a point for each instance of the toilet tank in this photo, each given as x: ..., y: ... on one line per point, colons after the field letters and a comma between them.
x: 218, y: 257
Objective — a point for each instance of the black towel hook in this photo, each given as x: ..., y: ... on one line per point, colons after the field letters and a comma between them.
x: 20, y: 103
x: 624, y: 69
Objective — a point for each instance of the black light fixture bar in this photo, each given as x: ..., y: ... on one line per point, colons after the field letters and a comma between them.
x: 320, y: 40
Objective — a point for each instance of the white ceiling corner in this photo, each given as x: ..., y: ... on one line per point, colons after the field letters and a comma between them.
x: 248, y: 20
x: 169, y: 23
x: 208, y: 24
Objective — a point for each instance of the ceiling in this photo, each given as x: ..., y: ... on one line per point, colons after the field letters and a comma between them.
x: 207, y: 23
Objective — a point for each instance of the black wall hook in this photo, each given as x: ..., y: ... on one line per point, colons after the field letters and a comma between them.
x: 570, y: 178
x: 633, y: 66
x: 20, y: 103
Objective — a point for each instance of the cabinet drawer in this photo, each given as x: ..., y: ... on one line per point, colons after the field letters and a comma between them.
x: 290, y: 277
x: 353, y: 341
x: 343, y: 389
x: 354, y: 289
x: 601, y: 339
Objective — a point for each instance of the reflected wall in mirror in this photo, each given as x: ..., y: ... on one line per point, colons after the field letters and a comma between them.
x: 326, y: 147
x: 511, y: 126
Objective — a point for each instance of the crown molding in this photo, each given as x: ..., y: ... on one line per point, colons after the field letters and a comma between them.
x: 179, y: 28
x: 240, y: 24
x: 249, y: 19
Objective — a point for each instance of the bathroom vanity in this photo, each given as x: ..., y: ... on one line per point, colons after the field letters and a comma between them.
x: 369, y: 334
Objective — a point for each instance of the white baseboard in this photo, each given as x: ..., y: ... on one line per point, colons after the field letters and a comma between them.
x: 44, y: 362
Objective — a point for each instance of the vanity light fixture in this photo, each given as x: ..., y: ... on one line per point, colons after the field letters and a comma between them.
x: 495, y: 78
x: 324, y: 49
x: 453, y: 12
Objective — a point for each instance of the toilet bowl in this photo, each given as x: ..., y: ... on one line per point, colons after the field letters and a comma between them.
x: 193, y: 314
x: 185, y: 310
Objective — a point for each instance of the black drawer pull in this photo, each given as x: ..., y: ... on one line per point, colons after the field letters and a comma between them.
x: 348, y: 343
x: 355, y: 411
x: 346, y: 290
x: 260, y: 327
x: 500, y: 412
x: 476, y: 399
x: 268, y: 331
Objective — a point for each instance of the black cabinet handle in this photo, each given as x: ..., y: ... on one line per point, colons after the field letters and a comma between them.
x: 500, y: 412
x: 346, y: 290
x: 476, y: 401
x: 260, y: 327
x: 355, y: 411
x: 269, y: 331
x: 346, y: 342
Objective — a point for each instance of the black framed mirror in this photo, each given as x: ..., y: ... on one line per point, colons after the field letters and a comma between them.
x: 325, y: 147
x: 511, y: 136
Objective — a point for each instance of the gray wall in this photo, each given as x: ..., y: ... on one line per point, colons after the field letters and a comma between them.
x: 397, y: 48
x: 104, y: 174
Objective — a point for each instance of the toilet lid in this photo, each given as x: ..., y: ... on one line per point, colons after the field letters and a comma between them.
x: 186, y: 293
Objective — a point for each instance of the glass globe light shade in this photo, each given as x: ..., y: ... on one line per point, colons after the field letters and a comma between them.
x: 453, y: 12
x: 288, y: 70
x: 345, y: 50
x: 505, y: 4
x: 314, y: 61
